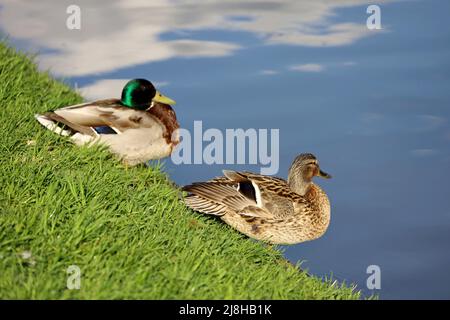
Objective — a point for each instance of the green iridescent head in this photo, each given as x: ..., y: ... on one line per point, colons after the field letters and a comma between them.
x: 140, y: 93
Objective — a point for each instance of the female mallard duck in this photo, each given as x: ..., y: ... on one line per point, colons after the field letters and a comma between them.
x: 267, y: 208
x: 139, y: 127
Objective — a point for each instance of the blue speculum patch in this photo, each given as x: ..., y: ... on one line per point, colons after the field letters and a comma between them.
x: 104, y: 130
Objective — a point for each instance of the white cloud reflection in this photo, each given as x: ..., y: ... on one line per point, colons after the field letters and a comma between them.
x: 121, y: 33
x: 268, y: 72
x: 430, y: 122
x: 309, y: 67
x: 423, y: 152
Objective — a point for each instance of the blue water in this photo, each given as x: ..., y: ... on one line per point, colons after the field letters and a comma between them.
x: 376, y: 115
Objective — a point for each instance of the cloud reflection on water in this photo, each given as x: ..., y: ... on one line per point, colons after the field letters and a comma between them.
x: 124, y: 33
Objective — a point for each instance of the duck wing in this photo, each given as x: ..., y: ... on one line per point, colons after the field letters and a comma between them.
x: 109, y: 113
x: 244, y: 193
x: 219, y: 196
x: 271, y: 193
x: 51, y: 120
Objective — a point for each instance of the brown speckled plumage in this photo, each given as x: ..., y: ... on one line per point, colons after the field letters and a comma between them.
x: 267, y: 208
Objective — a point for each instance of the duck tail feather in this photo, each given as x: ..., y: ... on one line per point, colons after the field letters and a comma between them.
x: 52, y: 125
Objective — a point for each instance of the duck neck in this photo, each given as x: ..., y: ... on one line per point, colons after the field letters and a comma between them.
x: 167, y: 116
x: 298, y: 184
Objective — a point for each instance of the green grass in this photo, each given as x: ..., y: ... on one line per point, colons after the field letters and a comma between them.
x: 126, y: 229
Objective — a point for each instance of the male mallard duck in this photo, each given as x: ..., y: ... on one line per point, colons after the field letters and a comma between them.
x: 267, y: 208
x: 139, y: 127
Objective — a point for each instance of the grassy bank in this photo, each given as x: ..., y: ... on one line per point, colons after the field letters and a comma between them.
x: 126, y: 230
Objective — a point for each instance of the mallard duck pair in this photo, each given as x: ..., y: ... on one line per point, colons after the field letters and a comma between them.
x: 142, y: 126
x: 139, y: 127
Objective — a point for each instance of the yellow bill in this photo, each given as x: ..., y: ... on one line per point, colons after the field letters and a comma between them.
x: 159, y: 97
